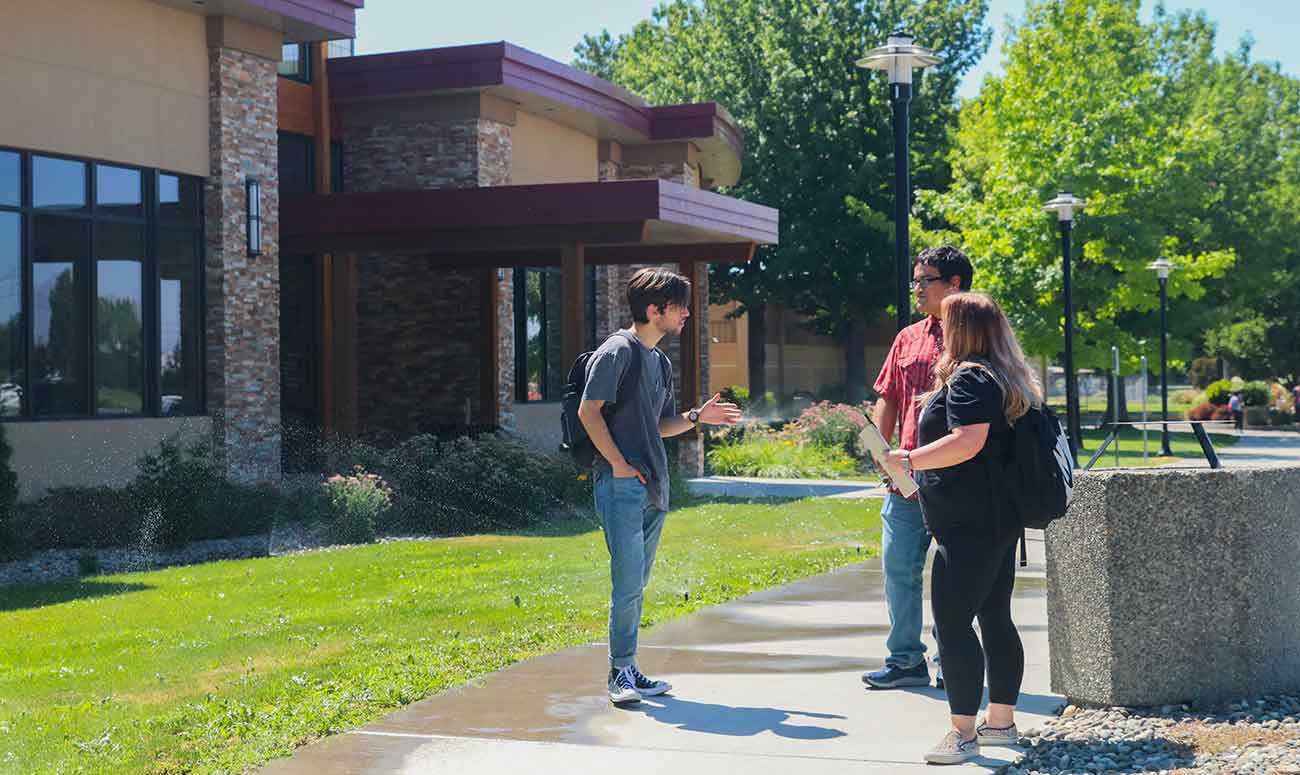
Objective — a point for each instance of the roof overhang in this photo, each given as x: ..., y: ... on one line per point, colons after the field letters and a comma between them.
x: 300, y: 20
x: 622, y: 222
x: 546, y: 87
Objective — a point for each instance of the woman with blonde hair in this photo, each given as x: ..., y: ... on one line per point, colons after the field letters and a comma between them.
x: 983, y: 386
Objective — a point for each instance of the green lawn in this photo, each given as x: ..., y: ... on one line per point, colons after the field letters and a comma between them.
x: 1183, y: 445
x: 218, y: 667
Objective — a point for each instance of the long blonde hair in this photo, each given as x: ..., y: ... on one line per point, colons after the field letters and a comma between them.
x: 976, y: 334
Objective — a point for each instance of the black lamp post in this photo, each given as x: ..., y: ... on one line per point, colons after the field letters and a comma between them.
x: 1064, y: 206
x: 1162, y: 266
x: 898, y: 56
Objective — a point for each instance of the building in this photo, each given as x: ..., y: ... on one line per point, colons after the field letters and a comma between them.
x: 214, y: 220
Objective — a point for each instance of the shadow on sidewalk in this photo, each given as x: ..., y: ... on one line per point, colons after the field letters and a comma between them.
x: 1036, y: 704
x: 732, y: 721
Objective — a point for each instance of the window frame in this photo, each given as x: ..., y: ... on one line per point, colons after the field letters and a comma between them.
x: 151, y: 223
x: 303, y: 74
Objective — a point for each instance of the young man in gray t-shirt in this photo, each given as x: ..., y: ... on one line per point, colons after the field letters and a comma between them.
x: 631, y: 470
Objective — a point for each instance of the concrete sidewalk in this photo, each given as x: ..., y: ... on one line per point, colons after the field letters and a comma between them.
x: 764, y: 686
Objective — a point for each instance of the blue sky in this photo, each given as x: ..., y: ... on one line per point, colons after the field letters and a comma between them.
x: 552, y: 28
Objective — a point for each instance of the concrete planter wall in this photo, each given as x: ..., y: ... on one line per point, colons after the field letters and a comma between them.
x: 1174, y: 586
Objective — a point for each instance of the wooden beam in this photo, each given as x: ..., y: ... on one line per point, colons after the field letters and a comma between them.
x: 690, y: 343
x: 573, y: 277
x: 324, y: 273
x: 489, y: 358
x: 320, y: 97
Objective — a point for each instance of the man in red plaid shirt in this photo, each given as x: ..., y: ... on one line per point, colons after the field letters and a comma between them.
x: 909, y: 372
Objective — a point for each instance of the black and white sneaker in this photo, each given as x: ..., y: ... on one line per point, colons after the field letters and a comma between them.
x: 622, y: 686
x: 647, y: 687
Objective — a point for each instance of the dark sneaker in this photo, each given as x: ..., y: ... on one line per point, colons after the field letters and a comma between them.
x: 953, y: 750
x: 646, y: 687
x: 891, y: 677
x: 622, y: 686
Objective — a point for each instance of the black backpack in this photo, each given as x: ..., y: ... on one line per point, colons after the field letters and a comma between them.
x: 1038, y: 474
x: 575, y: 442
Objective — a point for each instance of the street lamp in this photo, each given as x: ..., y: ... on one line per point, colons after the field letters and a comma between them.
x: 1064, y: 206
x: 1162, y: 267
x: 898, y: 57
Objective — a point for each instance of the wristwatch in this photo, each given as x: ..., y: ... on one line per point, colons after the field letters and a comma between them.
x: 907, y: 462
x: 694, y: 416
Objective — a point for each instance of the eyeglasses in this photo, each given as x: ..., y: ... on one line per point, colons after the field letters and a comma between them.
x: 925, y: 282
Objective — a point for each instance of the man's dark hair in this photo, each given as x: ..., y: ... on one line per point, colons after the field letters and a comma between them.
x: 657, y: 286
x: 949, y: 261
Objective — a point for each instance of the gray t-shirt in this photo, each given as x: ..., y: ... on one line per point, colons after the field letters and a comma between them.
x: 636, y: 429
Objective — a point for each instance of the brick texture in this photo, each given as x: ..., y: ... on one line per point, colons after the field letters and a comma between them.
x: 243, y: 292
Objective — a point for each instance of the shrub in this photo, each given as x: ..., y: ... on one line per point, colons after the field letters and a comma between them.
x: 8, y: 495
x: 1181, y: 397
x: 88, y: 517
x: 736, y: 394
x: 1202, y: 372
x: 1221, y: 412
x: 174, y: 490
x: 1201, y: 412
x: 781, y: 458
x: 1257, y: 415
x: 1256, y: 394
x: 831, y: 425
x: 1280, y: 417
x: 1218, y: 393
x: 357, y: 502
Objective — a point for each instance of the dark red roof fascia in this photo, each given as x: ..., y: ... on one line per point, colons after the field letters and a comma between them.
x: 338, y: 16
x: 503, y: 64
x: 506, y: 207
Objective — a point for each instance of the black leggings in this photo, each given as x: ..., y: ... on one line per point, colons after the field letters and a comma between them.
x: 972, y: 578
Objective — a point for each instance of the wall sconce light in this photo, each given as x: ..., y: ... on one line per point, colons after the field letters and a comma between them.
x: 253, y: 203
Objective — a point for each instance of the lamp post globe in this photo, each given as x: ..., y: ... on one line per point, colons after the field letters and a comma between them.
x: 899, y: 57
x: 1065, y: 204
x: 1162, y: 267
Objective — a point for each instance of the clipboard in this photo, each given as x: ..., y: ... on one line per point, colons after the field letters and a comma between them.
x: 871, y: 440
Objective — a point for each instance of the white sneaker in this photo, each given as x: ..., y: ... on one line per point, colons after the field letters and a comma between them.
x: 988, y: 735
x: 953, y: 750
x: 622, y: 686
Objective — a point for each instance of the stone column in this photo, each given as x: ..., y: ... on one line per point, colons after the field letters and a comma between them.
x: 506, y: 351
x: 243, y: 291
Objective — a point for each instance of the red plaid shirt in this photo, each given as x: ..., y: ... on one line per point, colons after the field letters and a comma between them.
x: 909, y: 372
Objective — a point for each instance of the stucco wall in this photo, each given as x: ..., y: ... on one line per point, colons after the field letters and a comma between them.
x: 120, y: 80
x: 89, y: 452
x: 547, y: 152
x: 537, y: 424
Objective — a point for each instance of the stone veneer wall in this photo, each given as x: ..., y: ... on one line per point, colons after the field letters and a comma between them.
x: 678, y: 172
x: 243, y: 293
x: 419, y: 327
x: 418, y: 347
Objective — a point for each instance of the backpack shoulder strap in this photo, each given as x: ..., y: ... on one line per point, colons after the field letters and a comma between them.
x: 627, y: 385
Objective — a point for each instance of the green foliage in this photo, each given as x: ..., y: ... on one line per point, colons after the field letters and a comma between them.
x: 818, y: 132
x: 781, y: 458
x: 467, y: 484
x: 1245, y: 344
x: 1256, y: 394
x: 1090, y: 101
x: 1219, y: 392
x: 832, y: 425
x: 217, y: 668
x: 8, y: 494
x: 357, y: 503
x: 736, y: 394
x: 1202, y: 371
x: 173, y: 489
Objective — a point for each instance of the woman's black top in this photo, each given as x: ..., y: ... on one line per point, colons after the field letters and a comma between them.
x: 960, y: 499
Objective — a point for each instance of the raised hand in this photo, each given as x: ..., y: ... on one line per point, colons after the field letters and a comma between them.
x: 715, y: 412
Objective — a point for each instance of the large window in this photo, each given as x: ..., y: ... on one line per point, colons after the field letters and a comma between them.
x: 100, y: 289
x: 539, y: 340
x: 297, y: 155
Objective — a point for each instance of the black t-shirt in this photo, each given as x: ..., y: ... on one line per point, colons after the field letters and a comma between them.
x: 960, y: 499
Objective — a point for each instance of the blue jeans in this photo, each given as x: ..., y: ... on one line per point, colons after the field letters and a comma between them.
x: 632, y: 526
x: 904, y: 543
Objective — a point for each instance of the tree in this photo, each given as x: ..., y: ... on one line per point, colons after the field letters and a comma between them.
x: 817, y: 132
x: 1089, y: 101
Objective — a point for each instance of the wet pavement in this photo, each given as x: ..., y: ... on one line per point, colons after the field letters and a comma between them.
x: 762, y: 685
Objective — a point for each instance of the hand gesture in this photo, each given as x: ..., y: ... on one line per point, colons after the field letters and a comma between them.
x: 715, y: 413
